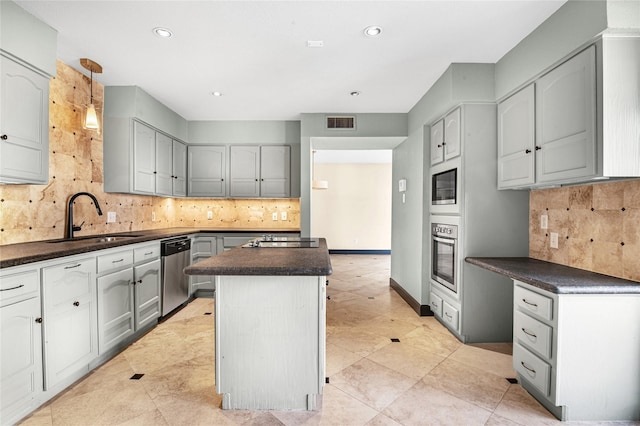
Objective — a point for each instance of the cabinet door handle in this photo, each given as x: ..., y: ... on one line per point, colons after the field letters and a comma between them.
x: 527, y: 151
x: 439, y: 146
x: 535, y: 305
x: 76, y: 303
x: 444, y: 143
x: 538, y: 148
x: 117, y: 261
x: 148, y: 253
x: 12, y: 288
x: 528, y: 368
x: 4, y: 137
x: 72, y: 267
x: 39, y: 320
x: 528, y: 333
x: 446, y: 314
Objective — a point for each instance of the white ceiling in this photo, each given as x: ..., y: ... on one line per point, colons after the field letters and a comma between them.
x: 255, y: 53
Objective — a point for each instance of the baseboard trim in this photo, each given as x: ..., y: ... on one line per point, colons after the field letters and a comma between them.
x: 340, y: 251
x: 422, y: 310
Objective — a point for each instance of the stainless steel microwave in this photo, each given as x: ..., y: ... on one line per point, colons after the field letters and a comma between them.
x: 444, y: 187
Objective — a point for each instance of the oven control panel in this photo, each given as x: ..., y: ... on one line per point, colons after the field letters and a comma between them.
x: 443, y: 230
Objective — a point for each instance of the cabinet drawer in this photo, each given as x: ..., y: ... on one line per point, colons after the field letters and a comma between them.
x: 532, y: 368
x: 19, y: 286
x: 67, y: 283
x: 533, y: 334
x: 114, y: 261
x: 450, y: 315
x: 146, y: 252
x: 436, y: 304
x: 535, y: 303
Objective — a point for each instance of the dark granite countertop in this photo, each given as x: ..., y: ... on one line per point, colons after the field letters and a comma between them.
x: 24, y: 253
x: 266, y: 261
x: 555, y: 278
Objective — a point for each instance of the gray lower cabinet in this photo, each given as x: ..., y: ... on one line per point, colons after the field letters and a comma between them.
x: 146, y: 277
x: 576, y: 364
x: 24, y: 124
x: 115, y: 298
x: 128, y: 293
x: 202, y: 247
x: 206, y: 171
x: 20, y: 342
x: 70, y: 319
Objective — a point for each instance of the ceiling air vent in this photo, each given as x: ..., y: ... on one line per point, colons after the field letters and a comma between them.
x: 341, y: 122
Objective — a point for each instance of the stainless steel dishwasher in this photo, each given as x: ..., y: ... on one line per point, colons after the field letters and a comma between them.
x: 175, y: 255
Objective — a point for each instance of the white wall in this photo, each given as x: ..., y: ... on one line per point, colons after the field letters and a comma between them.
x: 355, y: 212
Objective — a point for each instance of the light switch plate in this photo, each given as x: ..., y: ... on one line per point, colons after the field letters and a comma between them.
x: 153, y: 216
x: 554, y: 240
x: 274, y: 216
x: 544, y: 221
x: 111, y: 217
x: 283, y: 215
x: 209, y: 215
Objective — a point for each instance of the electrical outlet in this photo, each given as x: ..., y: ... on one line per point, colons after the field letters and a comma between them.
x: 153, y: 216
x: 209, y: 215
x: 274, y: 216
x: 111, y: 217
x: 283, y: 215
x: 554, y: 240
x: 544, y: 221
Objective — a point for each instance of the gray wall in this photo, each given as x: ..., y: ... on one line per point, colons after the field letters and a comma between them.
x: 409, y: 229
x: 313, y: 125
x: 572, y: 26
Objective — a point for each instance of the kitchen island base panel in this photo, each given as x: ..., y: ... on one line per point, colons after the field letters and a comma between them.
x: 270, y: 341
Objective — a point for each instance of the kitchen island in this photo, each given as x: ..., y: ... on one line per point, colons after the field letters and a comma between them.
x: 269, y: 325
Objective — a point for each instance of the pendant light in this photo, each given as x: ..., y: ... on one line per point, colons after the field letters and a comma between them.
x: 91, y: 117
x: 317, y: 184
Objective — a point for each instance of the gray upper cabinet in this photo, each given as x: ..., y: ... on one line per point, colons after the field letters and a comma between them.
x: 445, y: 138
x: 164, y: 164
x: 566, y: 120
x: 206, y: 171
x: 260, y: 171
x: 144, y: 148
x: 27, y: 62
x: 153, y: 168
x: 275, y: 171
x: 576, y: 122
x: 24, y: 121
x: 516, y: 139
x: 179, y: 168
x: 139, y: 144
x: 244, y: 171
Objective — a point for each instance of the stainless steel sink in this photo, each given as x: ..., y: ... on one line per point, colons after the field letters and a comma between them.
x: 95, y: 239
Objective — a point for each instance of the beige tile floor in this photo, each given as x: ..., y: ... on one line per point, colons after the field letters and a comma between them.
x: 428, y: 378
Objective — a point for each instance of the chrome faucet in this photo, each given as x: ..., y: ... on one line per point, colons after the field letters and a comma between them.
x: 70, y: 226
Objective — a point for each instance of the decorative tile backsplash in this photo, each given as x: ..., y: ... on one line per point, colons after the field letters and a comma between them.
x: 37, y: 212
x: 598, y: 227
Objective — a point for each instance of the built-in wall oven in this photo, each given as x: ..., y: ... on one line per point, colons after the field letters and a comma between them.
x: 444, y: 252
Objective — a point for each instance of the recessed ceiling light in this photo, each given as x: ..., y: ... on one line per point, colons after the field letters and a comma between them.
x: 217, y: 94
x: 373, y: 31
x: 355, y: 93
x: 162, y: 32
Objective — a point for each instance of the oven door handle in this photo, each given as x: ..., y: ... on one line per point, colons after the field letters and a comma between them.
x: 448, y: 241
